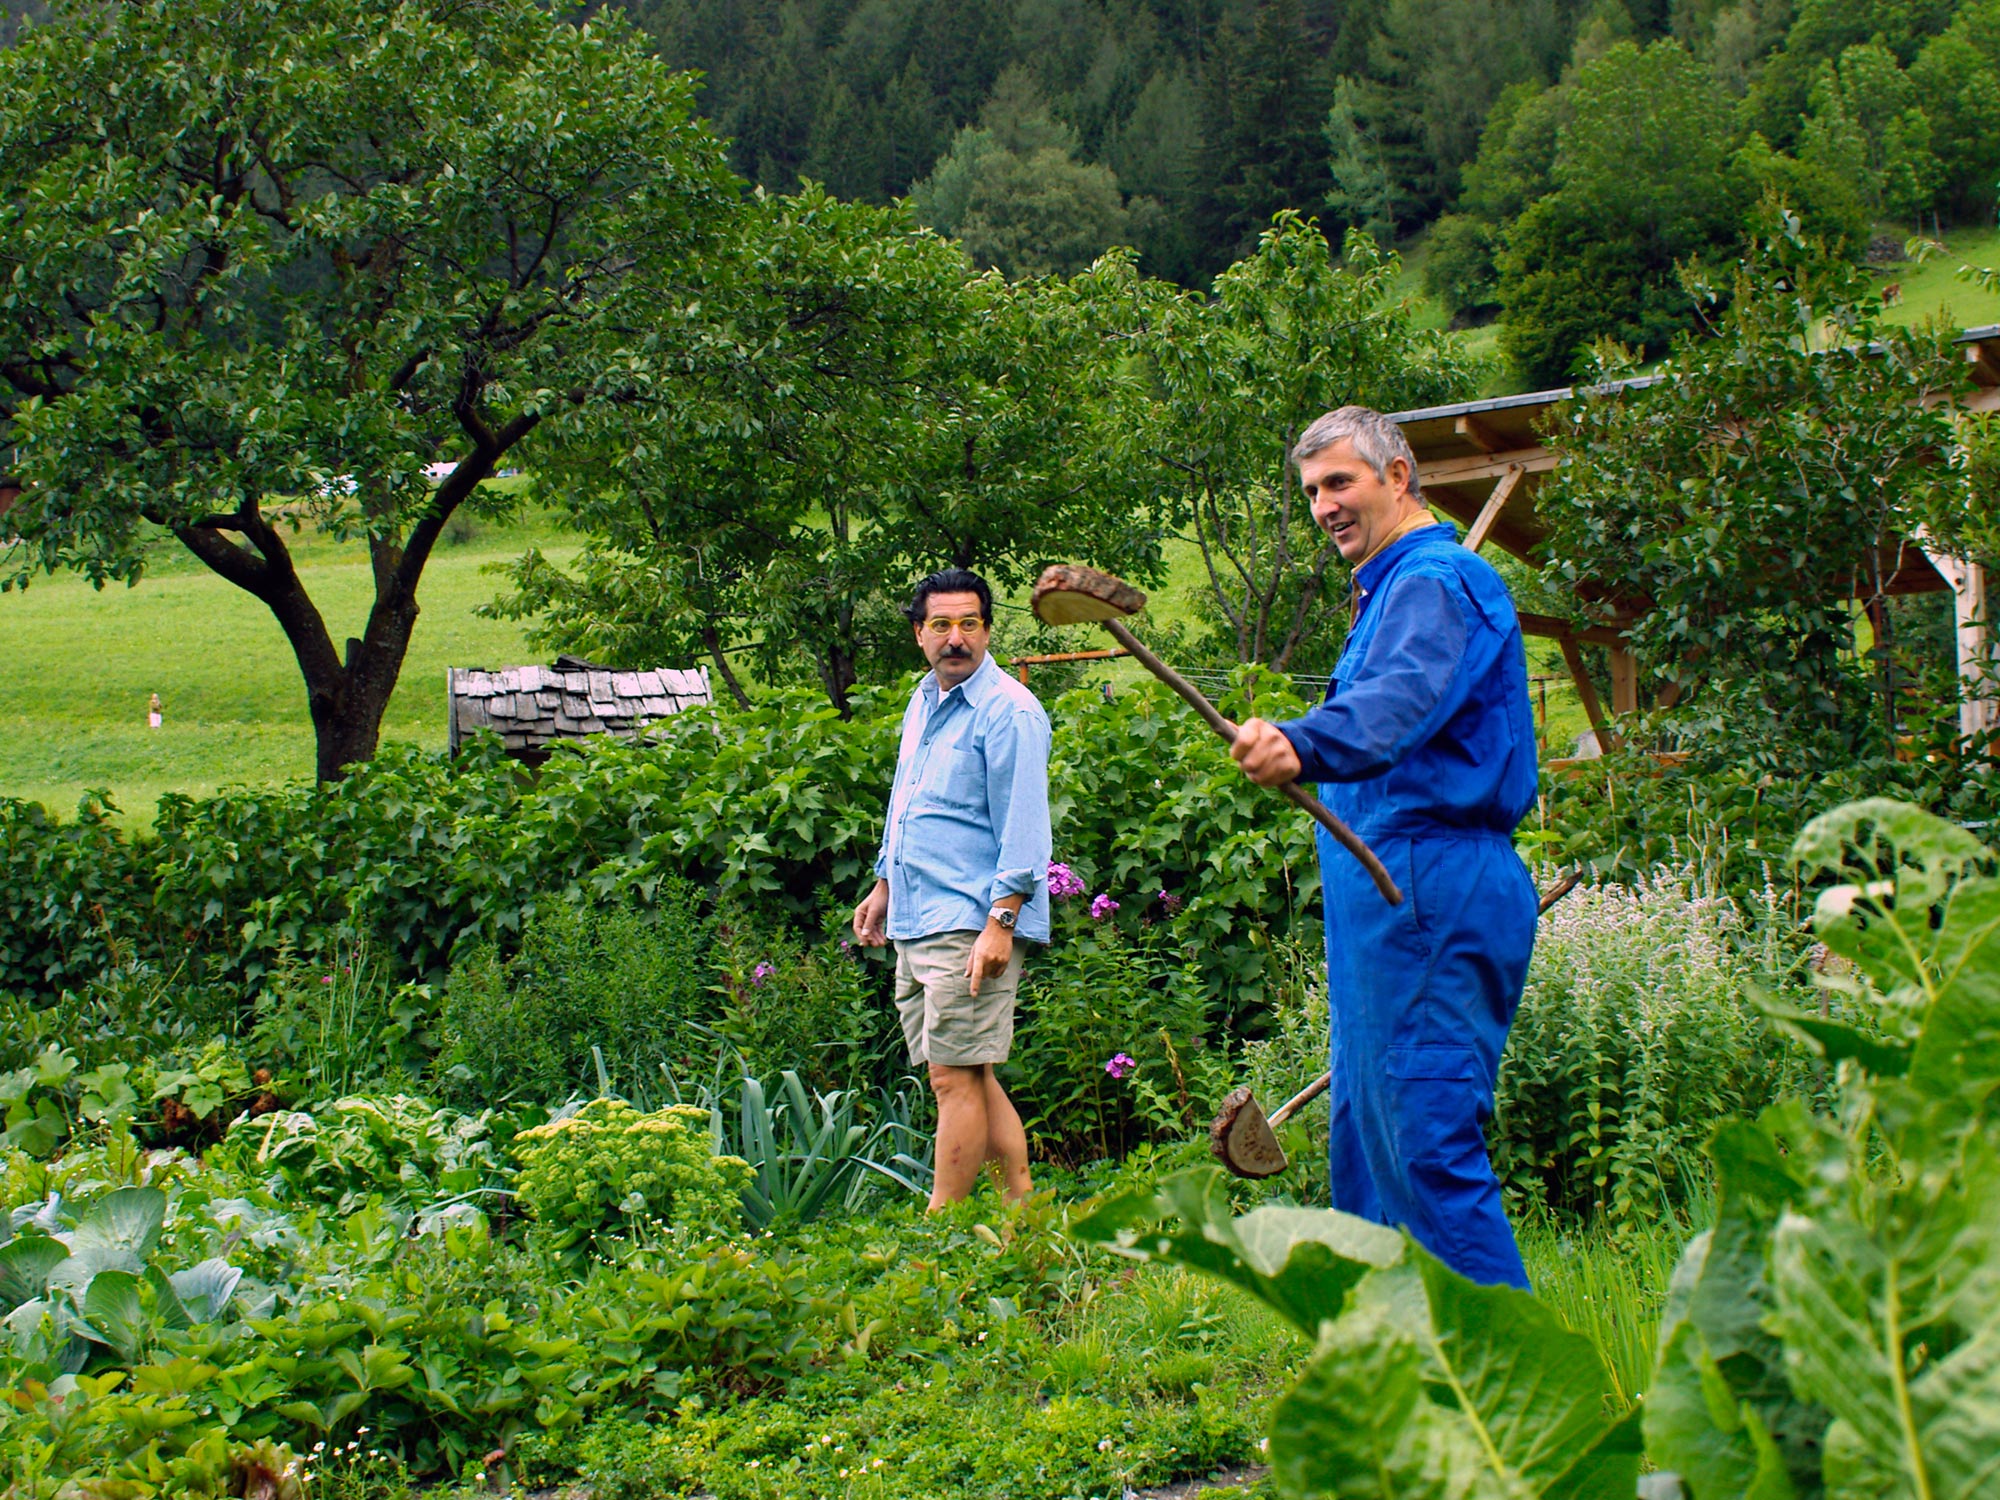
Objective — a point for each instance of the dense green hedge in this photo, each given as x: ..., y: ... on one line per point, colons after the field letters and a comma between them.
x: 781, y: 804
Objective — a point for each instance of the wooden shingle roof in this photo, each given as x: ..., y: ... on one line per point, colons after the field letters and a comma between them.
x: 531, y: 708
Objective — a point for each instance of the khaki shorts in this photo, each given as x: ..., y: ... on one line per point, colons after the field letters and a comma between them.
x: 943, y: 1021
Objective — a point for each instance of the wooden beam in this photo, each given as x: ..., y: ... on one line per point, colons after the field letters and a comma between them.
x: 1985, y: 363
x: 1593, y: 707
x: 1477, y: 433
x: 1485, y: 466
x: 1552, y: 628
x: 1509, y: 482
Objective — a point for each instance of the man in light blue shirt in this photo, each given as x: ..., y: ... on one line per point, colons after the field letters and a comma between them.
x: 963, y: 874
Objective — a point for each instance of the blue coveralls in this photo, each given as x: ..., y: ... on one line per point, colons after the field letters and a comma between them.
x: 1426, y: 748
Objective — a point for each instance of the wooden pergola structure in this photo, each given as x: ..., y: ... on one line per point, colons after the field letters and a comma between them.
x: 1482, y: 462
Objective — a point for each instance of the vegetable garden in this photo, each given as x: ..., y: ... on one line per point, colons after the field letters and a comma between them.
x: 441, y: 1128
x: 438, y: 1127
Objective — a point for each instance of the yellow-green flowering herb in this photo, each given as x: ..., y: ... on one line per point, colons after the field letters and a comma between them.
x: 608, y: 1164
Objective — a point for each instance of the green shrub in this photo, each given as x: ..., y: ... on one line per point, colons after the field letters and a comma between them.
x: 1459, y: 270
x: 75, y: 897
x: 1637, y: 1031
x: 624, y: 981
x: 818, y: 1009
x: 1116, y: 1040
x: 608, y: 1167
x: 400, y: 1149
x: 340, y: 1024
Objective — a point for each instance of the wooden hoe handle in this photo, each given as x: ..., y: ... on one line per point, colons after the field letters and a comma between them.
x: 1343, y: 835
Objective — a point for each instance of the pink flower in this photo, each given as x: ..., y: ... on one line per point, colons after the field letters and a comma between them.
x: 1120, y: 1065
x: 1103, y: 906
x: 1171, y: 902
x: 1063, y: 882
x: 326, y: 979
x: 761, y: 973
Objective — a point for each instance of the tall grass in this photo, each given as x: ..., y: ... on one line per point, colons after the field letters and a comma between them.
x: 1610, y: 1285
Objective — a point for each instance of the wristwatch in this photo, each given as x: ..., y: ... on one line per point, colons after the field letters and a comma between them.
x: 1004, y: 915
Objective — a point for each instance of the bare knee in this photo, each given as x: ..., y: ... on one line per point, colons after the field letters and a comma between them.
x: 949, y: 1082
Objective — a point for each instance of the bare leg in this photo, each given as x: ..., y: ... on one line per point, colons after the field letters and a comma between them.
x: 961, y: 1132
x: 1006, y: 1141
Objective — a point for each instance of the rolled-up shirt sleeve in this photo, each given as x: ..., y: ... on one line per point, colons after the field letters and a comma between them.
x: 1017, y: 801
x: 1411, y: 681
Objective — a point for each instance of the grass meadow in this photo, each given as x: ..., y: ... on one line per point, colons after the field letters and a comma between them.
x: 82, y: 662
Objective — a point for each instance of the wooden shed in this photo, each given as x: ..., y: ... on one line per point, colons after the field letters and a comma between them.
x: 1481, y: 463
x: 532, y: 708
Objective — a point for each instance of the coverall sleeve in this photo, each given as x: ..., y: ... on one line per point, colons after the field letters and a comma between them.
x: 1017, y: 800
x: 1413, y: 678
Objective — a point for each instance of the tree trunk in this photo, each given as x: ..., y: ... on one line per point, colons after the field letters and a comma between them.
x: 837, y: 676
x: 712, y: 639
x: 346, y: 697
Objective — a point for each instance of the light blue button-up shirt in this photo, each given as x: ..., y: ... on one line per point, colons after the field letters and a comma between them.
x: 969, y: 814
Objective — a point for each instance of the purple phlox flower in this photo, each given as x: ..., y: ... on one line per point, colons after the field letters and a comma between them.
x: 1120, y: 1065
x: 761, y: 973
x: 1170, y: 901
x: 1063, y: 882
x: 1102, y: 906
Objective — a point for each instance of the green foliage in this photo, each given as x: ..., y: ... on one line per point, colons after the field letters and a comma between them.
x: 1637, y: 1032
x: 1111, y: 988
x: 1234, y: 378
x: 1832, y: 1333
x: 1826, y: 195
x: 1420, y: 1383
x: 608, y: 1168
x: 1014, y: 194
x: 807, y: 1155
x: 1641, y: 183
x: 1460, y: 270
x: 70, y: 895
x: 878, y: 408
x: 391, y: 1148
x: 1746, y: 497
x: 473, y: 205
x: 1865, y: 125
x: 818, y: 1008
x: 1956, y: 78
x: 622, y: 980
x: 771, y: 807
x: 337, y: 1025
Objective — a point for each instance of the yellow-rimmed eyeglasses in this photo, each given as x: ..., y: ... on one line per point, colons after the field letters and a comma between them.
x: 941, y: 627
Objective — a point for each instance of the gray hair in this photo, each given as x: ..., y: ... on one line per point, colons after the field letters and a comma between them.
x: 1377, y: 440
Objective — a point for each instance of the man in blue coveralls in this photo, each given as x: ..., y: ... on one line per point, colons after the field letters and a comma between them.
x: 1425, y: 746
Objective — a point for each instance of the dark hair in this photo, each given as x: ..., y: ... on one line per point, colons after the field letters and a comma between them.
x: 951, y: 581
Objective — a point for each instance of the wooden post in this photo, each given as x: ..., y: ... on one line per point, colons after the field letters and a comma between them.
x: 1624, y: 681
x: 1587, y: 691
x: 1978, y: 707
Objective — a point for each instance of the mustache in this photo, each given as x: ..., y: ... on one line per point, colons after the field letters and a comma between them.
x: 957, y: 652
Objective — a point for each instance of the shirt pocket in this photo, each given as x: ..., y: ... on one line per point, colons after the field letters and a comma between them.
x: 958, y: 780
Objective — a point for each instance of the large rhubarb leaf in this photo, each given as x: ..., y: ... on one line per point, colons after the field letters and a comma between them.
x: 1720, y: 1411
x: 1299, y: 1261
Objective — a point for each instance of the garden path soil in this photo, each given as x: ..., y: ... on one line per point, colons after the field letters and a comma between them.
x: 1223, y: 1483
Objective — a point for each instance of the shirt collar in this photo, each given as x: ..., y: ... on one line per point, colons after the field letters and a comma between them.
x: 1369, y: 574
x: 974, y: 689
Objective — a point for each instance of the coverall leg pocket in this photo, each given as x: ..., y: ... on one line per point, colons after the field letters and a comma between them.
x: 1437, y: 1095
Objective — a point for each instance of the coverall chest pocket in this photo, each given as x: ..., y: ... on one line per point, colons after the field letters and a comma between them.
x: 1352, y: 655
